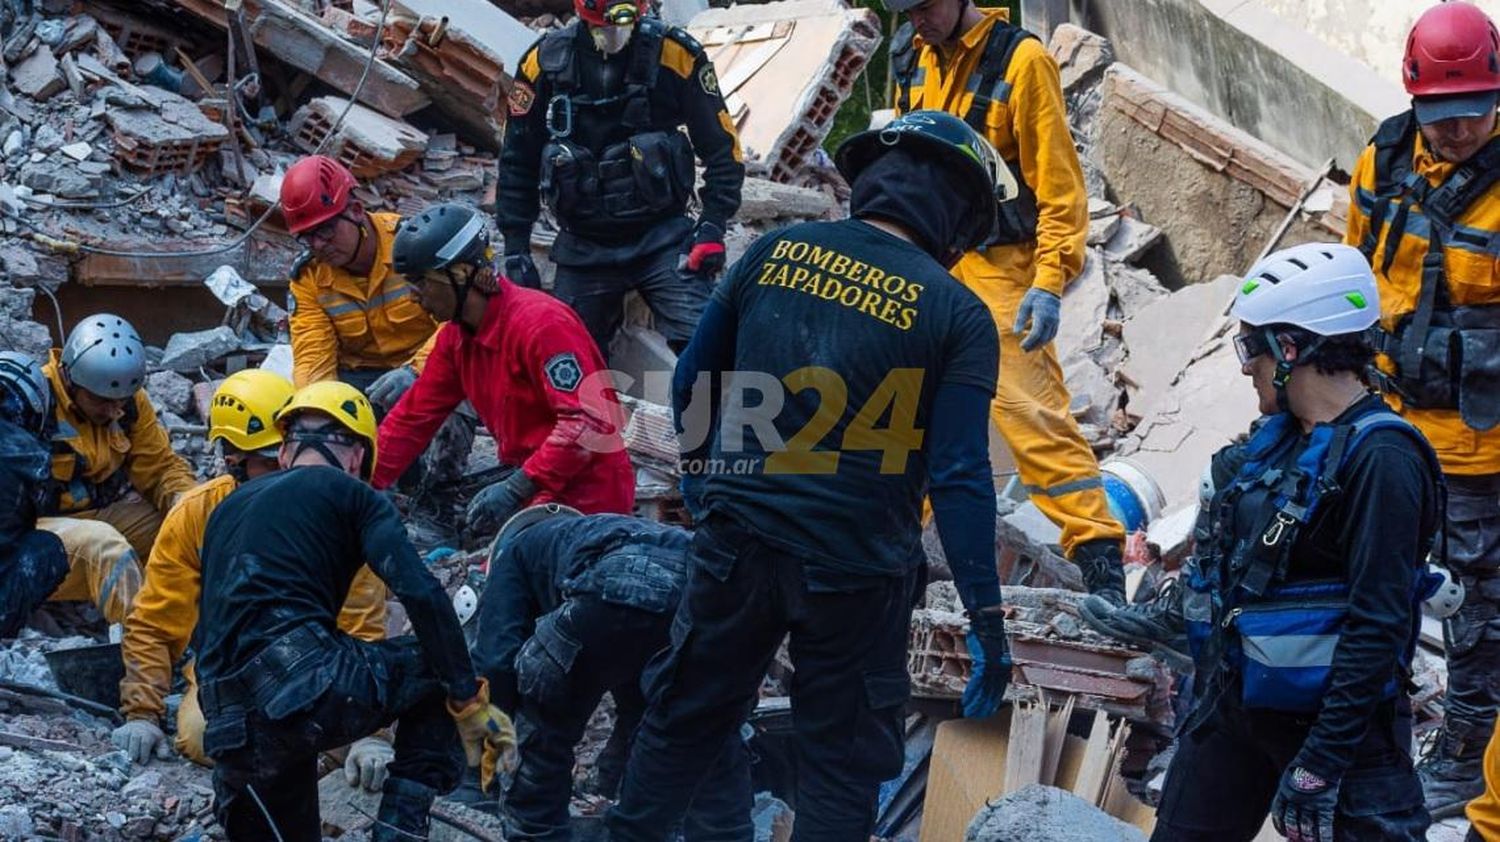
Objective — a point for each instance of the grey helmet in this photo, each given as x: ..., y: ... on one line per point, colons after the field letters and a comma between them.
x: 24, y: 391
x: 104, y: 355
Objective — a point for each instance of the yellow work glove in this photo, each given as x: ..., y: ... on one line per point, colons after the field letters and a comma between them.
x: 488, y: 736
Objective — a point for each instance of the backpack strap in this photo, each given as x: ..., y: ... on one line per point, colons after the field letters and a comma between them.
x: 645, y: 64
x: 904, y: 65
x: 987, y: 82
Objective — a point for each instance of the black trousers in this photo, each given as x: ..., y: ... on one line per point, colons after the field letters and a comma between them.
x: 31, y: 568
x: 1472, y: 636
x: 597, y: 294
x: 266, y: 760
x: 848, y: 692
x: 1224, y: 776
x: 580, y: 651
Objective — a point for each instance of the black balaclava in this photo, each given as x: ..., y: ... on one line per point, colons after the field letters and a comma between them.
x: 928, y: 200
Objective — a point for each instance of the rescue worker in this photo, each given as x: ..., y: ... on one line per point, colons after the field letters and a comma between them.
x: 1425, y: 210
x: 352, y: 317
x: 574, y: 607
x: 527, y: 365
x: 161, y: 623
x: 890, y: 364
x: 970, y: 62
x: 32, y: 560
x: 593, y: 132
x: 279, y: 683
x: 114, y: 474
x: 1307, y: 603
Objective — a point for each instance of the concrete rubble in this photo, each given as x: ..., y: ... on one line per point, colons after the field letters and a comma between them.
x: 1041, y: 813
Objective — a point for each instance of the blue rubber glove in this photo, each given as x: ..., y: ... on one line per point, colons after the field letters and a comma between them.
x: 1044, y: 311
x: 990, y: 652
x: 691, y: 486
x: 1304, y: 806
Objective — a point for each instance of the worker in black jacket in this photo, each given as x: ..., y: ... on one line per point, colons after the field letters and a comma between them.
x: 32, y: 561
x: 574, y: 607
x: 595, y: 114
x: 1305, y: 604
x: 278, y: 682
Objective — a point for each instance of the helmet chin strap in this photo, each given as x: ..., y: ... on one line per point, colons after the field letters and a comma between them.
x: 1284, y: 366
x: 319, y: 441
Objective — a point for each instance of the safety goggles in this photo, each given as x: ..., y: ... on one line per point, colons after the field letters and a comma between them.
x: 1248, y: 346
x: 322, y: 233
x: 621, y: 12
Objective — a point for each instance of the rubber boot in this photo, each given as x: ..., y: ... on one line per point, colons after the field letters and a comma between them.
x: 1103, y: 569
x: 1452, y: 773
x: 403, y: 814
x: 1156, y: 625
x: 472, y: 796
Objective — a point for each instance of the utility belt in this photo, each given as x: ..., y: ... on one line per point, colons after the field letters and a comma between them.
x: 282, y: 679
x: 1453, y: 364
x: 648, y: 176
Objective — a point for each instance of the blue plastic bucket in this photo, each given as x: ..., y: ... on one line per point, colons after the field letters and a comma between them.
x: 1134, y: 497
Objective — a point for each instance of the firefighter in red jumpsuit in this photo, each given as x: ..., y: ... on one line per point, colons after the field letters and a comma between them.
x: 527, y: 365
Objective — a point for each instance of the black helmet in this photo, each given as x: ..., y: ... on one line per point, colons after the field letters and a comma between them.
x: 438, y: 237
x: 949, y: 139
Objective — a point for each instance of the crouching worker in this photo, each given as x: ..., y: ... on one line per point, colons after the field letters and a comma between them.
x: 114, y: 474
x: 32, y: 561
x: 279, y: 682
x: 575, y: 607
x: 166, y: 610
x: 1308, y: 594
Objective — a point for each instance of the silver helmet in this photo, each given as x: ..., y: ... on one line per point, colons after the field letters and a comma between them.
x: 104, y: 355
x: 24, y: 390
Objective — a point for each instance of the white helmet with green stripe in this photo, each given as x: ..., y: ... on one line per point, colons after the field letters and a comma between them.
x: 1324, y: 288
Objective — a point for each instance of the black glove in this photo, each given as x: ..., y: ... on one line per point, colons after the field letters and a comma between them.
x: 704, y: 254
x: 1304, y: 806
x: 494, y: 504
x: 517, y: 263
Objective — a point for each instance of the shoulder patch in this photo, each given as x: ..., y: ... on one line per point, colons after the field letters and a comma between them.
x: 563, y: 372
x: 682, y: 37
x: 708, y: 79
x: 298, y: 264
x: 521, y: 97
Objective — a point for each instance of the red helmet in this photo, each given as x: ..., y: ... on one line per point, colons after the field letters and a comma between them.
x: 313, y: 191
x: 1453, y: 49
x: 610, y: 12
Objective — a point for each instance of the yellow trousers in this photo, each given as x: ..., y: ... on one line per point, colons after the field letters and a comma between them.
x: 1484, y: 811
x: 105, y: 547
x: 1030, y: 409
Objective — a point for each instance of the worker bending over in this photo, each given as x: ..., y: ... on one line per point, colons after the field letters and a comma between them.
x: 32, y: 561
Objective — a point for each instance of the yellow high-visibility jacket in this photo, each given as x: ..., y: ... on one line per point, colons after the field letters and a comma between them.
x: 1473, y: 274
x: 88, y: 458
x: 161, y: 623
x: 1029, y: 126
x: 342, y: 321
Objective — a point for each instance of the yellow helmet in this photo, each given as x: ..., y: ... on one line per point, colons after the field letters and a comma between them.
x: 244, y: 406
x: 341, y: 402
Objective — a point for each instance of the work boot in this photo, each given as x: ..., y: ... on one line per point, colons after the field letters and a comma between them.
x: 1103, y: 569
x: 471, y: 795
x: 1452, y: 772
x: 404, y: 809
x: 1155, y: 626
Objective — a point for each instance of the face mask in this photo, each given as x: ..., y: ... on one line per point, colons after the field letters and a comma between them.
x: 611, y: 39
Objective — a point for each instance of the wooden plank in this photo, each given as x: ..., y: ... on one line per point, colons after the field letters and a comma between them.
x: 1052, y: 746
x: 1089, y: 784
x: 1069, y: 762
x: 14, y: 740
x: 1028, y: 736
x: 967, y: 768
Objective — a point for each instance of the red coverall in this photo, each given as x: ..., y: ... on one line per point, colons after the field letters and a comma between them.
x: 527, y: 372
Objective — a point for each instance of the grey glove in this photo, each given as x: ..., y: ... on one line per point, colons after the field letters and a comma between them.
x: 141, y: 739
x: 389, y: 387
x: 1044, y: 311
x: 365, y: 765
x: 493, y: 505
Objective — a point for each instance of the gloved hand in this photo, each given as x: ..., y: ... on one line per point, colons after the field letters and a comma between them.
x: 691, y: 486
x: 705, y: 253
x: 1044, y: 311
x: 990, y: 652
x: 1304, y: 806
x: 494, y: 504
x: 141, y: 739
x: 488, y: 736
x: 389, y: 387
x: 364, y: 767
x: 521, y: 269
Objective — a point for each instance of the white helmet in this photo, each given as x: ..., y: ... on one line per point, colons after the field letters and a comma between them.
x: 1324, y: 288
x: 104, y: 355
x: 465, y: 603
x: 1449, y: 596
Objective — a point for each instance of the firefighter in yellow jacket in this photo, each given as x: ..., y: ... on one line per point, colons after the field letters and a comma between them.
x: 166, y: 611
x: 1425, y: 209
x: 113, y: 470
x: 353, y: 318
x: 953, y: 56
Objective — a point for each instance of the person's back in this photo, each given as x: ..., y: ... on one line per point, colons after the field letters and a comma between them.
x: 860, y: 327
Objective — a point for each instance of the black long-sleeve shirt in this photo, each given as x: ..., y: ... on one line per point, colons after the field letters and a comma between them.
x: 281, y: 552
x: 686, y: 94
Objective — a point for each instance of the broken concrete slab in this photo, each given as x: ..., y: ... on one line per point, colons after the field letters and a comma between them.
x: 1172, y: 534
x: 367, y: 142
x: 1039, y: 813
x: 1131, y: 239
x: 763, y: 200
x: 175, y: 137
x: 1132, y: 288
x: 1095, y: 395
x: 191, y: 351
x: 1082, y: 56
x: 1085, y: 305
x: 61, y: 179
x: 1163, y: 336
x: 37, y: 76
x: 822, y: 45
x: 17, y: 330
x: 170, y: 391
